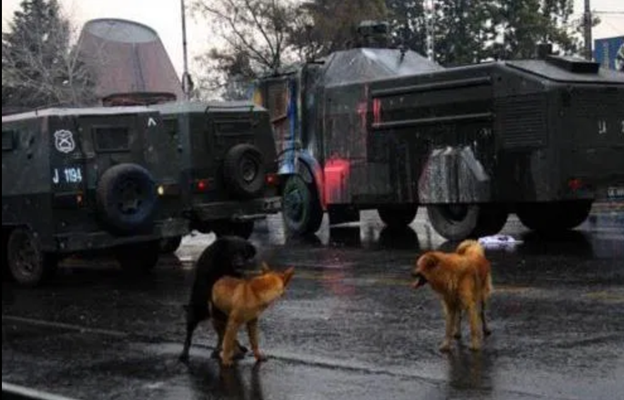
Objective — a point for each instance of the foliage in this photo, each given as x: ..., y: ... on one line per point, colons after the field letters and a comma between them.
x: 39, y: 66
x: 267, y: 36
x: 469, y: 31
x: 262, y: 37
x: 408, y: 24
x: 523, y: 23
x: 331, y: 25
x: 254, y: 33
x: 463, y: 30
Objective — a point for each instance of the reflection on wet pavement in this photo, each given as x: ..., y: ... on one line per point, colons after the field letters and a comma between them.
x: 350, y: 327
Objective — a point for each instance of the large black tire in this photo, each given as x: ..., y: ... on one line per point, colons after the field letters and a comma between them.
x: 28, y: 264
x: 138, y: 258
x: 462, y: 221
x: 126, y: 198
x: 302, y: 211
x: 241, y: 229
x: 6, y: 272
x: 170, y: 245
x: 244, y: 171
x: 398, y: 216
x: 555, y: 216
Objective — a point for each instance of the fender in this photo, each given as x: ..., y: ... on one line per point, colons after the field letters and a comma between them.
x: 304, y: 164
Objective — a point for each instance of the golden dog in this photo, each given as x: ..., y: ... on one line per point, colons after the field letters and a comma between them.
x: 464, y: 283
x: 243, y: 300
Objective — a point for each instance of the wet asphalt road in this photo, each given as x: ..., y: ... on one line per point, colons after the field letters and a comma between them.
x: 348, y: 328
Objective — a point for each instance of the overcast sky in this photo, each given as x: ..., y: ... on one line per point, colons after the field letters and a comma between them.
x: 164, y: 17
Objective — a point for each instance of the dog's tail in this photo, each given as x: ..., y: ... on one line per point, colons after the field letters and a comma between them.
x: 470, y: 247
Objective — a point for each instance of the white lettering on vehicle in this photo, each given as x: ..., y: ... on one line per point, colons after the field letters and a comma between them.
x: 67, y: 175
x: 602, y: 127
x: 615, y: 192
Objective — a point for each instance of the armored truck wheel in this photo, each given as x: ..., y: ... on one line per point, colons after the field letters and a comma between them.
x: 170, y: 245
x: 302, y: 210
x: 461, y: 221
x: 28, y: 264
x: 243, y: 170
x: 398, y: 217
x: 6, y: 272
x: 555, y: 216
x: 126, y: 197
x: 138, y: 257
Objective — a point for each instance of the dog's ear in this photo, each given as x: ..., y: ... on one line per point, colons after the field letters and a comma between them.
x: 264, y: 268
x: 427, y: 261
x: 287, y: 275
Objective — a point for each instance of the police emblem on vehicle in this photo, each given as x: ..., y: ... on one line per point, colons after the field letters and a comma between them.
x: 64, y: 141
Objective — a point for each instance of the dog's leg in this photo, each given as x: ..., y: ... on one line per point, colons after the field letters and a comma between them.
x: 475, y: 325
x: 229, y: 340
x: 219, y: 323
x: 193, y: 318
x: 457, y: 330
x: 486, y: 330
x: 252, y: 331
x: 449, y: 312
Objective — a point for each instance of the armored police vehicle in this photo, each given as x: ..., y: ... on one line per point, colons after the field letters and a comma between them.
x: 224, y: 152
x: 379, y: 128
x: 82, y: 180
x: 228, y: 163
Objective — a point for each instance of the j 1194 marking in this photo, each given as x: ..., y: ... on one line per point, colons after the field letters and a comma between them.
x: 67, y: 175
x: 615, y: 192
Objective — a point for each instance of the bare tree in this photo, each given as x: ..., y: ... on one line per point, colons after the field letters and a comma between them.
x: 40, y: 67
x: 254, y: 35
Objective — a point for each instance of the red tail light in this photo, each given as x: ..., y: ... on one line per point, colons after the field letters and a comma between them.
x: 202, y: 185
x: 575, y: 184
x: 272, y: 179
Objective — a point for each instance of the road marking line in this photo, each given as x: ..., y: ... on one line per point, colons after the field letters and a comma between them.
x: 62, y: 325
x: 605, y: 296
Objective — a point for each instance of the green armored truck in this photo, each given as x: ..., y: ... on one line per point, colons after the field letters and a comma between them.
x: 228, y: 164
x: 87, y: 179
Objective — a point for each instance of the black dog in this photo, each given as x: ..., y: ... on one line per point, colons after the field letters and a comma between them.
x: 227, y: 256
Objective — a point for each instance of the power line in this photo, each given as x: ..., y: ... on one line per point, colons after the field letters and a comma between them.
x: 608, y: 12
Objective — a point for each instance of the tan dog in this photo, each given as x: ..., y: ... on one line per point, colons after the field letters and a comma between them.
x: 243, y: 300
x: 464, y: 283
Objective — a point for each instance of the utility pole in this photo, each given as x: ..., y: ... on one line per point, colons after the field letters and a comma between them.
x: 429, y: 6
x: 587, y: 28
x: 186, y: 77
